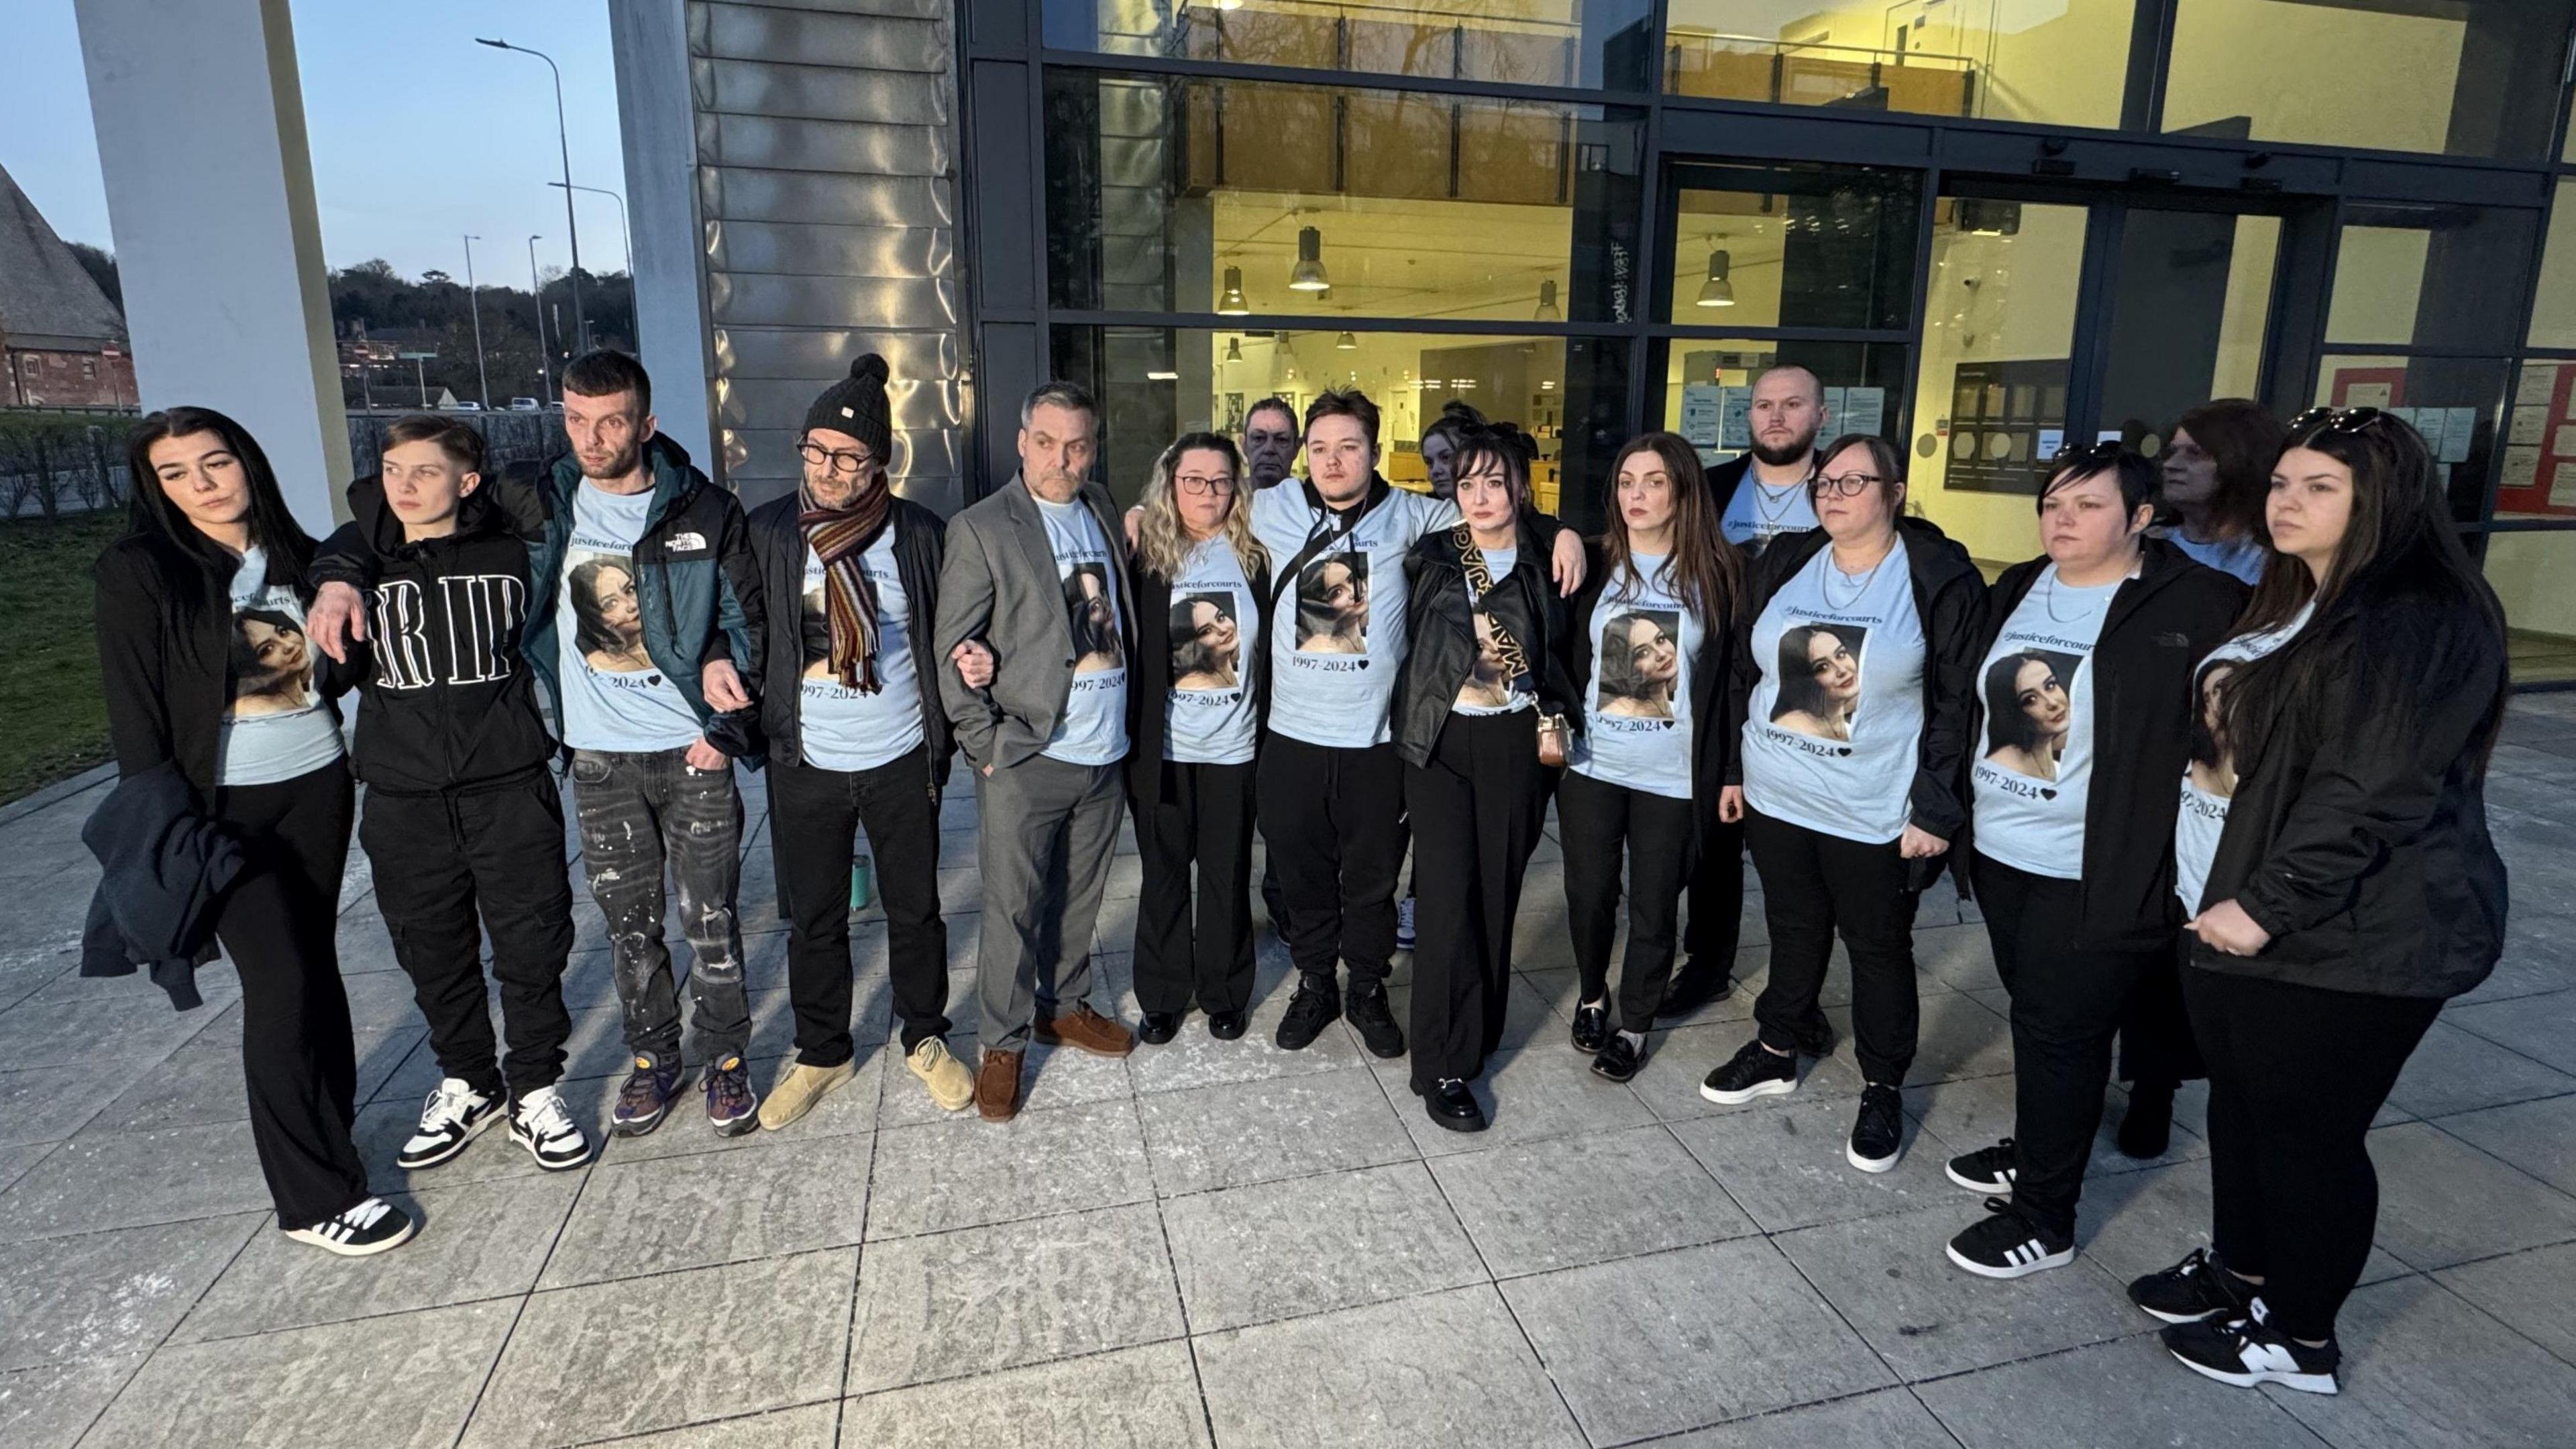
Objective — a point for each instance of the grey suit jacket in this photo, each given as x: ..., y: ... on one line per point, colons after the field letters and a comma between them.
x: 998, y: 585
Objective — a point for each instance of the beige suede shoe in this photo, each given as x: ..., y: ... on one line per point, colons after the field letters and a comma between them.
x: 950, y: 1084
x: 798, y: 1092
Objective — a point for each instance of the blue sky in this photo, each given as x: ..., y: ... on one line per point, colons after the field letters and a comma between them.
x: 418, y: 134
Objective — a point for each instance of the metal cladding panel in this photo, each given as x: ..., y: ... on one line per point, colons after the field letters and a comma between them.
x: 827, y: 183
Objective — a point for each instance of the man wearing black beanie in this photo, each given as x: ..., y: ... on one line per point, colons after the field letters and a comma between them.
x: 857, y: 739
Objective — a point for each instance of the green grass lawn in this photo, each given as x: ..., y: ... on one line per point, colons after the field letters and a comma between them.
x: 53, y: 719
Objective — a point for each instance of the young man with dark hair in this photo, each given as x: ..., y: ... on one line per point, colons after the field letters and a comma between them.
x: 462, y: 825
x: 654, y: 710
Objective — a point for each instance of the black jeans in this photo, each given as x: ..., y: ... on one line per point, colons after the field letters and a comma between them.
x: 1716, y: 894
x: 497, y: 853
x: 641, y: 813
x: 1333, y: 819
x: 2156, y: 1046
x: 280, y: 925
x: 814, y: 815
x: 1477, y: 811
x: 1204, y: 820
x: 2295, y: 1075
x: 1598, y: 824
x: 1814, y: 885
x: 2066, y: 1004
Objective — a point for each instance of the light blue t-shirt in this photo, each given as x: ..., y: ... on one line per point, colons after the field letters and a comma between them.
x: 2242, y: 557
x: 2033, y: 774
x: 1758, y: 512
x: 275, y: 728
x: 1490, y: 687
x: 1638, y: 730
x: 1338, y: 634
x: 1209, y: 716
x: 839, y: 728
x: 614, y: 696
x: 1834, y: 733
x: 1093, y: 730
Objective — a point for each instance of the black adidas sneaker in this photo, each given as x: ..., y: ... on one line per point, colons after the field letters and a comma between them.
x: 2007, y: 1243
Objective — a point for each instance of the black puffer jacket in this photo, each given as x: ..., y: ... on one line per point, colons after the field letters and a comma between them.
x: 1713, y: 742
x: 2358, y: 833
x: 1439, y: 620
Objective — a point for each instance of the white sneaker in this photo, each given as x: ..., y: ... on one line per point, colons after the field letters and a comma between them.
x: 371, y: 1227
x: 541, y: 1124
x: 450, y: 1117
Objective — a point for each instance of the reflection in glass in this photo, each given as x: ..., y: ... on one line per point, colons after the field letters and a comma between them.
x: 2061, y: 62
x: 2536, y: 469
x: 1708, y: 388
x: 1593, y: 44
x: 2534, y: 576
x: 2454, y: 402
x: 1793, y: 246
x: 2424, y: 276
x: 2190, y: 300
x: 2553, y: 310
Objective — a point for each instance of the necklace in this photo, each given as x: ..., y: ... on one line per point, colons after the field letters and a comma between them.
x: 1764, y: 506
x: 1825, y: 583
x: 2048, y: 601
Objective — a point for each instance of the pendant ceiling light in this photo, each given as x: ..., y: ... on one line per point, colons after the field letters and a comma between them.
x: 1232, y: 303
x: 1346, y: 342
x: 1308, y: 274
x: 1234, y: 349
x: 1547, y: 310
x: 1717, y: 291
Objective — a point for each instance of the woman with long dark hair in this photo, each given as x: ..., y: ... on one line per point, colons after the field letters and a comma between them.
x: 1855, y: 650
x: 214, y: 557
x: 2351, y: 889
x: 1201, y: 582
x: 1650, y: 651
x: 1479, y: 603
x: 2217, y: 469
x: 2088, y: 652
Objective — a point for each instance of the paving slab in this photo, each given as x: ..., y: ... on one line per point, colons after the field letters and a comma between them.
x: 108, y: 1294
x: 2128, y: 1392
x: 1133, y: 1398
x: 1276, y: 1250
x: 1569, y: 1201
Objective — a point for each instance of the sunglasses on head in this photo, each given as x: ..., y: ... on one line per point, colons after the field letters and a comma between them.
x: 2106, y: 451
x: 2318, y: 421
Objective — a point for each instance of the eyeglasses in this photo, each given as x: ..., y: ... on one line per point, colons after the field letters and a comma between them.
x: 2317, y: 421
x: 843, y: 464
x: 1204, y: 486
x: 1849, y: 485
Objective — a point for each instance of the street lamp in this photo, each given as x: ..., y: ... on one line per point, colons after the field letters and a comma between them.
x: 624, y: 235
x: 420, y: 372
x: 572, y: 230
x: 474, y: 299
x: 537, y: 292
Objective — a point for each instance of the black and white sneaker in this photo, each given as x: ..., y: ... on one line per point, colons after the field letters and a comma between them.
x: 540, y: 1123
x: 2197, y: 1289
x: 371, y: 1227
x: 1989, y: 1170
x: 2006, y: 1243
x: 2249, y: 1351
x: 1878, y: 1133
x: 1756, y: 1071
x: 450, y: 1117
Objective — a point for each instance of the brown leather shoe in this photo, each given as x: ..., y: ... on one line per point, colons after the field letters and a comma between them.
x: 997, y: 1086
x: 1084, y: 1029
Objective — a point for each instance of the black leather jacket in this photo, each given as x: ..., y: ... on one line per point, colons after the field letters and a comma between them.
x: 1440, y: 622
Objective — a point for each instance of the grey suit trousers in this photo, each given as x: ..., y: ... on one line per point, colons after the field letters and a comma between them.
x: 1049, y: 830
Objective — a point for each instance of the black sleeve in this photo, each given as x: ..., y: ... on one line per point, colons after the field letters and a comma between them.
x: 348, y: 556
x: 1950, y: 640
x: 131, y: 633
x: 519, y: 491
x: 741, y: 635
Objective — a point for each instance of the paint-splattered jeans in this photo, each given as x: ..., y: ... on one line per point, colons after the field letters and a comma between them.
x: 641, y: 814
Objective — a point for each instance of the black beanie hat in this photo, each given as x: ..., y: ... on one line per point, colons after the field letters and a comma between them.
x: 856, y: 405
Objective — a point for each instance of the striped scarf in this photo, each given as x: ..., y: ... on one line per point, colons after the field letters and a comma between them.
x: 838, y: 536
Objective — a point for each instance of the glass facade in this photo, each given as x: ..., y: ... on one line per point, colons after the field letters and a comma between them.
x: 2059, y: 63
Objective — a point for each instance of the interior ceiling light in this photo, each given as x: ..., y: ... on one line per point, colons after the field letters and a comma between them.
x: 1547, y: 310
x: 1308, y: 274
x: 1162, y: 374
x: 1232, y: 303
x: 1717, y: 291
x: 1346, y: 342
x: 1234, y: 349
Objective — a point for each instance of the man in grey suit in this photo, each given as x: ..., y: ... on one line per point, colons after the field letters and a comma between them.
x: 1037, y: 574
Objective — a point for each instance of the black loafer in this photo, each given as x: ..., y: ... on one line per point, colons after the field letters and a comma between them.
x: 1225, y: 1025
x: 1158, y: 1027
x: 1452, y: 1106
x: 1618, y: 1061
x: 1691, y: 988
x: 1591, y: 1028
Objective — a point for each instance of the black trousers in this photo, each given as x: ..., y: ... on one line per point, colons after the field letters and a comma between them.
x: 1814, y: 885
x: 1599, y: 824
x: 2066, y: 1004
x: 1333, y: 820
x: 495, y: 853
x: 1204, y: 821
x: 2155, y: 1032
x: 2295, y: 1075
x: 814, y: 815
x: 1477, y: 810
x: 1716, y: 921
x: 280, y: 925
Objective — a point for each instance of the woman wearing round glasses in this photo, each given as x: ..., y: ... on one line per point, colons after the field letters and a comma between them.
x: 2347, y: 889
x: 1202, y: 589
x: 2086, y: 670
x: 1857, y: 648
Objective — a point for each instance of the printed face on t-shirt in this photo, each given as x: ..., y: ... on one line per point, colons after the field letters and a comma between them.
x: 2213, y: 760
x: 1489, y: 679
x: 2029, y: 708
x: 606, y: 616
x: 1332, y: 605
x: 272, y: 664
x: 1641, y: 663
x: 814, y: 634
x: 1819, y: 674
x: 1207, y: 647
x: 1094, y: 619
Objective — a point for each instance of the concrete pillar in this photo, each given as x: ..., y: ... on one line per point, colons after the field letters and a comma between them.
x: 200, y: 120
x: 651, y: 43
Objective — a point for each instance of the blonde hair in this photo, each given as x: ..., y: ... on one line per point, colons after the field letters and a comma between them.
x: 1162, y: 544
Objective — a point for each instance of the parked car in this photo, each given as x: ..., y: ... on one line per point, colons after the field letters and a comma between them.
x: 465, y: 407
x: 526, y: 405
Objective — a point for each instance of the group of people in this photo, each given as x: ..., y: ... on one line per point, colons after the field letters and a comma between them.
x: 2201, y: 817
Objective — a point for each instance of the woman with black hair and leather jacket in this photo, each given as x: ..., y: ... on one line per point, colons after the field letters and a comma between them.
x: 1486, y: 667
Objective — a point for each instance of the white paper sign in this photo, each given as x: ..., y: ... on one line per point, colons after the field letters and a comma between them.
x: 2459, y: 430
x: 1703, y: 403
x: 1864, y: 409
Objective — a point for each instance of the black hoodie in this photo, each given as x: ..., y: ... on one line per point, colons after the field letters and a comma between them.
x: 446, y: 701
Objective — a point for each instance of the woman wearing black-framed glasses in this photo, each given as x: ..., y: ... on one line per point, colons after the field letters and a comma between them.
x: 1854, y: 651
x: 2342, y: 889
